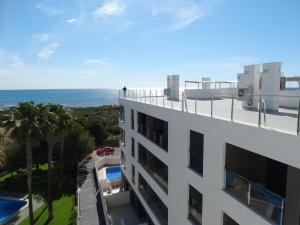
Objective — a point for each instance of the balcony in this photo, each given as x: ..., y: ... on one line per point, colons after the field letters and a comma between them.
x: 157, y: 169
x: 156, y: 205
x: 256, y: 197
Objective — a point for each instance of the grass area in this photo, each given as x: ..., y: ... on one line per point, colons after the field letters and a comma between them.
x: 63, y: 209
x: 64, y: 202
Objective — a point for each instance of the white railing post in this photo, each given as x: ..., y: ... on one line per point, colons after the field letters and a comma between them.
x: 232, y: 106
x: 136, y: 97
x: 156, y: 97
x: 172, y: 100
x: 195, y: 101
x: 259, y: 111
x: 298, y: 120
x: 211, y: 104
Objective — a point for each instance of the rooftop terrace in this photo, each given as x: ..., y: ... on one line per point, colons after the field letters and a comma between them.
x: 225, y: 107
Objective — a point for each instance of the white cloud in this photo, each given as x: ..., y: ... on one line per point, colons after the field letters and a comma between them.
x: 179, y: 14
x: 10, y: 61
x: 96, y: 61
x: 46, y: 52
x: 72, y: 21
x: 48, y: 10
x: 40, y: 37
x: 112, y: 8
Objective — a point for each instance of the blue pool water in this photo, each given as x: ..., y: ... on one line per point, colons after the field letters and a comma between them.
x: 9, y: 207
x: 113, y: 173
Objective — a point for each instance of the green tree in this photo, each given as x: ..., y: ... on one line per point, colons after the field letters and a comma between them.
x: 48, y: 120
x: 22, y: 122
x: 64, y: 123
x: 2, y: 153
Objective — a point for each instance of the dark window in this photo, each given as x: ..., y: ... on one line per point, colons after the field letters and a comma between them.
x: 132, y: 119
x: 228, y: 221
x: 156, y: 168
x: 132, y: 148
x: 195, y: 206
x: 133, y: 174
x: 154, y: 129
x: 196, y: 152
x: 158, y: 208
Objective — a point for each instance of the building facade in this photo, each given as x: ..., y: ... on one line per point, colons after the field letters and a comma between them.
x: 187, y: 168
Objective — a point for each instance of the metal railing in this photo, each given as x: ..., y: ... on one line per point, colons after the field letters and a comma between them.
x: 227, y: 106
x: 255, y: 196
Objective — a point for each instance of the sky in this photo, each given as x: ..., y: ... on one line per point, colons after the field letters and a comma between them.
x: 51, y: 44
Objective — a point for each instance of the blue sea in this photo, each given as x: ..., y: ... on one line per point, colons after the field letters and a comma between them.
x: 66, y: 97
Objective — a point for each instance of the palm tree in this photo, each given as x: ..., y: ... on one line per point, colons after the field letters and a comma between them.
x: 65, y: 119
x: 22, y: 122
x: 2, y: 154
x: 48, y: 119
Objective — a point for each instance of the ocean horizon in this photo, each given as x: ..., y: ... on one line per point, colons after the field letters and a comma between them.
x: 66, y: 97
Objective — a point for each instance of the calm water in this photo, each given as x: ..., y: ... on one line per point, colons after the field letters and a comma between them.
x: 9, y: 207
x: 67, y: 97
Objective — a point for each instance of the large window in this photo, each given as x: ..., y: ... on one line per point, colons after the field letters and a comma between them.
x: 157, y: 206
x: 132, y: 119
x: 132, y: 148
x: 156, y: 168
x: 154, y: 129
x: 195, y: 206
x: 196, y: 152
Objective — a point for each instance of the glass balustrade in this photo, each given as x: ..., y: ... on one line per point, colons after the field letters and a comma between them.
x: 256, y: 197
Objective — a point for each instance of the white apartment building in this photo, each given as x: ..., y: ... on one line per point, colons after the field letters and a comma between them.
x: 214, y: 155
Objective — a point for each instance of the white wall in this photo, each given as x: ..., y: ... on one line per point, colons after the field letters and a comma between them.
x: 206, y: 93
x: 289, y: 99
x: 116, y: 199
x: 217, y: 133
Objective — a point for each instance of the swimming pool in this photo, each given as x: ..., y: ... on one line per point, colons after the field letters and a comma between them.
x: 8, y: 207
x: 113, y: 173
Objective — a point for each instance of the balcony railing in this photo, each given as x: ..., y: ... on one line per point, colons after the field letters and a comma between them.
x: 228, y: 106
x: 156, y: 207
x: 161, y: 181
x: 256, y: 197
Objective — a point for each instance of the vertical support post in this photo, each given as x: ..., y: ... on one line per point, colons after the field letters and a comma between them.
x: 145, y: 96
x: 249, y: 193
x: 259, y: 111
x: 155, y: 97
x: 172, y: 100
x: 211, y: 104
x: 196, y: 101
x: 298, y: 122
x: 163, y: 96
x: 232, y: 106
